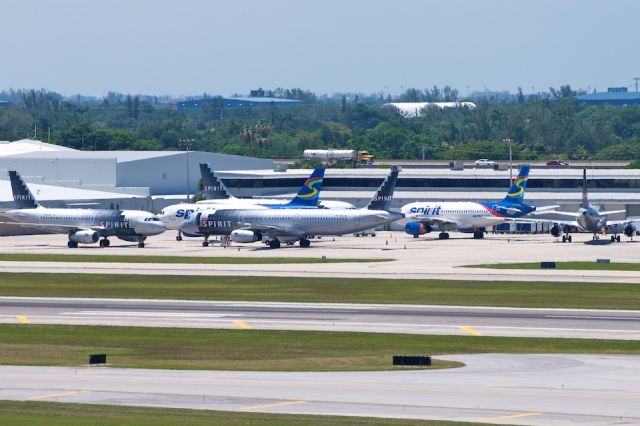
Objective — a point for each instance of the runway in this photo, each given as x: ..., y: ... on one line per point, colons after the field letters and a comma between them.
x: 411, y: 319
x: 410, y: 258
x: 512, y: 389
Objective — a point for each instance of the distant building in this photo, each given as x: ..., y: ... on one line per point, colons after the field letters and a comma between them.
x: 4, y: 104
x: 259, y: 101
x: 617, y: 96
x: 415, y: 109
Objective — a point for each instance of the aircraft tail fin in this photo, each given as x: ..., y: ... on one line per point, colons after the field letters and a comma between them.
x: 518, y: 186
x: 384, y: 196
x: 214, y: 189
x: 585, y: 191
x: 22, y: 197
x: 309, y: 192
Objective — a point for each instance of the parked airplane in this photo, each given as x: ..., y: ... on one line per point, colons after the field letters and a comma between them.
x: 216, y: 193
x: 218, y: 196
x: 84, y: 226
x: 590, y: 219
x: 468, y: 216
x: 274, y: 226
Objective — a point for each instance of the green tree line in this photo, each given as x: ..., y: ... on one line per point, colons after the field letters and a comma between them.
x: 547, y: 126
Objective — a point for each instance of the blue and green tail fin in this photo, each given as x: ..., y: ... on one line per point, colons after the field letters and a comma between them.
x: 309, y: 192
x: 518, y: 186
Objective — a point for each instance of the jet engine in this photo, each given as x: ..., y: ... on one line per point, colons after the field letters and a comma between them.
x: 417, y: 228
x: 556, y: 230
x: 629, y: 230
x: 245, y: 236
x: 85, y: 237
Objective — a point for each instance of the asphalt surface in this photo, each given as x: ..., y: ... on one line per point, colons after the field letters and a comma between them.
x: 411, y: 258
x: 495, y: 388
x: 412, y: 319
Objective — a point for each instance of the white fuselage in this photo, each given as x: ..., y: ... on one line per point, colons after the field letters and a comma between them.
x: 463, y: 215
x: 106, y: 222
x: 173, y: 216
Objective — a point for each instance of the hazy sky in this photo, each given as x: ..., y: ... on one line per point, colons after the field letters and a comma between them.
x: 190, y: 47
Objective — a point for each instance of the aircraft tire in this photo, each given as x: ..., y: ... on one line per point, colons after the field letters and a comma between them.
x: 569, y: 238
x: 178, y: 237
x: 305, y: 243
x: 564, y: 239
x: 140, y: 244
x: 617, y: 238
x: 446, y: 235
x: 72, y: 244
x: 274, y: 244
x: 441, y: 236
x: 205, y: 244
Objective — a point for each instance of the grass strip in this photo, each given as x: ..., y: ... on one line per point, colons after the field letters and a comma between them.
x: 328, y: 290
x: 261, y: 350
x: 580, y: 266
x: 31, y: 413
x: 93, y: 258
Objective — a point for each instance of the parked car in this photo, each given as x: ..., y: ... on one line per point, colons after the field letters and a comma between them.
x: 557, y: 163
x: 484, y: 162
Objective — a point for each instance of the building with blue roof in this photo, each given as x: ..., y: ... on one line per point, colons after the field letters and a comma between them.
x: 239, y: 102
x: 617, y: 96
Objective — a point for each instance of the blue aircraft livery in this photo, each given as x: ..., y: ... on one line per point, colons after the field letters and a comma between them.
x: 469, y: 216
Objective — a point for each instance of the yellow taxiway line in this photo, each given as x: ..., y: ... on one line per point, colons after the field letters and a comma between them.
x: 470, y: 330
x: 57, y: 395
x: 23, y: 319
x: 241, y: 324
x: 511, y: 416
x: 277, y: 404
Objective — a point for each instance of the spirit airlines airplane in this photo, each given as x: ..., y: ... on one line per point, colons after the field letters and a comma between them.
x: 274, y: 226
x: 467, y: 216
x: 218, y: 196
x: 84, y: 226
x: 590, y: 219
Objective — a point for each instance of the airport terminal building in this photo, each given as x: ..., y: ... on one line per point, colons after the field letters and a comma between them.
x: 60, y: 176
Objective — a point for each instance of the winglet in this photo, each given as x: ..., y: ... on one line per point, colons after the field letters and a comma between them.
x: 309, y: 192
x: 22, y: 197
x: 518, y: 186
x: 384, y: 196
x: 214, y: 189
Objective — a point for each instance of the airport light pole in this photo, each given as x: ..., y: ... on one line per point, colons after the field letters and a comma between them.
x: 188, y: 143
x: 508, y: 140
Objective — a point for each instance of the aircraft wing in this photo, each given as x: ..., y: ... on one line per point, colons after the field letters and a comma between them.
x: 432, y: 220
x: 544, y: 210
x: 53, y: 228
x: 56, y: 229
x: 571, y: 214
x: 612, y: 212
x: 273, y: 230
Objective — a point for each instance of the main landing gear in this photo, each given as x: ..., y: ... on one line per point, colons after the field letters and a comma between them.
x: 566, y: 238
x: 478, y: 235
x: 615, y: 238
x: 141, y: 241
x: 205, y: 243
x: 179, y: 236
x: 274, y: 244
x: 72, y: 244
x: 443, y: 236
x: 305, y: 243
x: 104, y: 243
x: 595, y: 237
